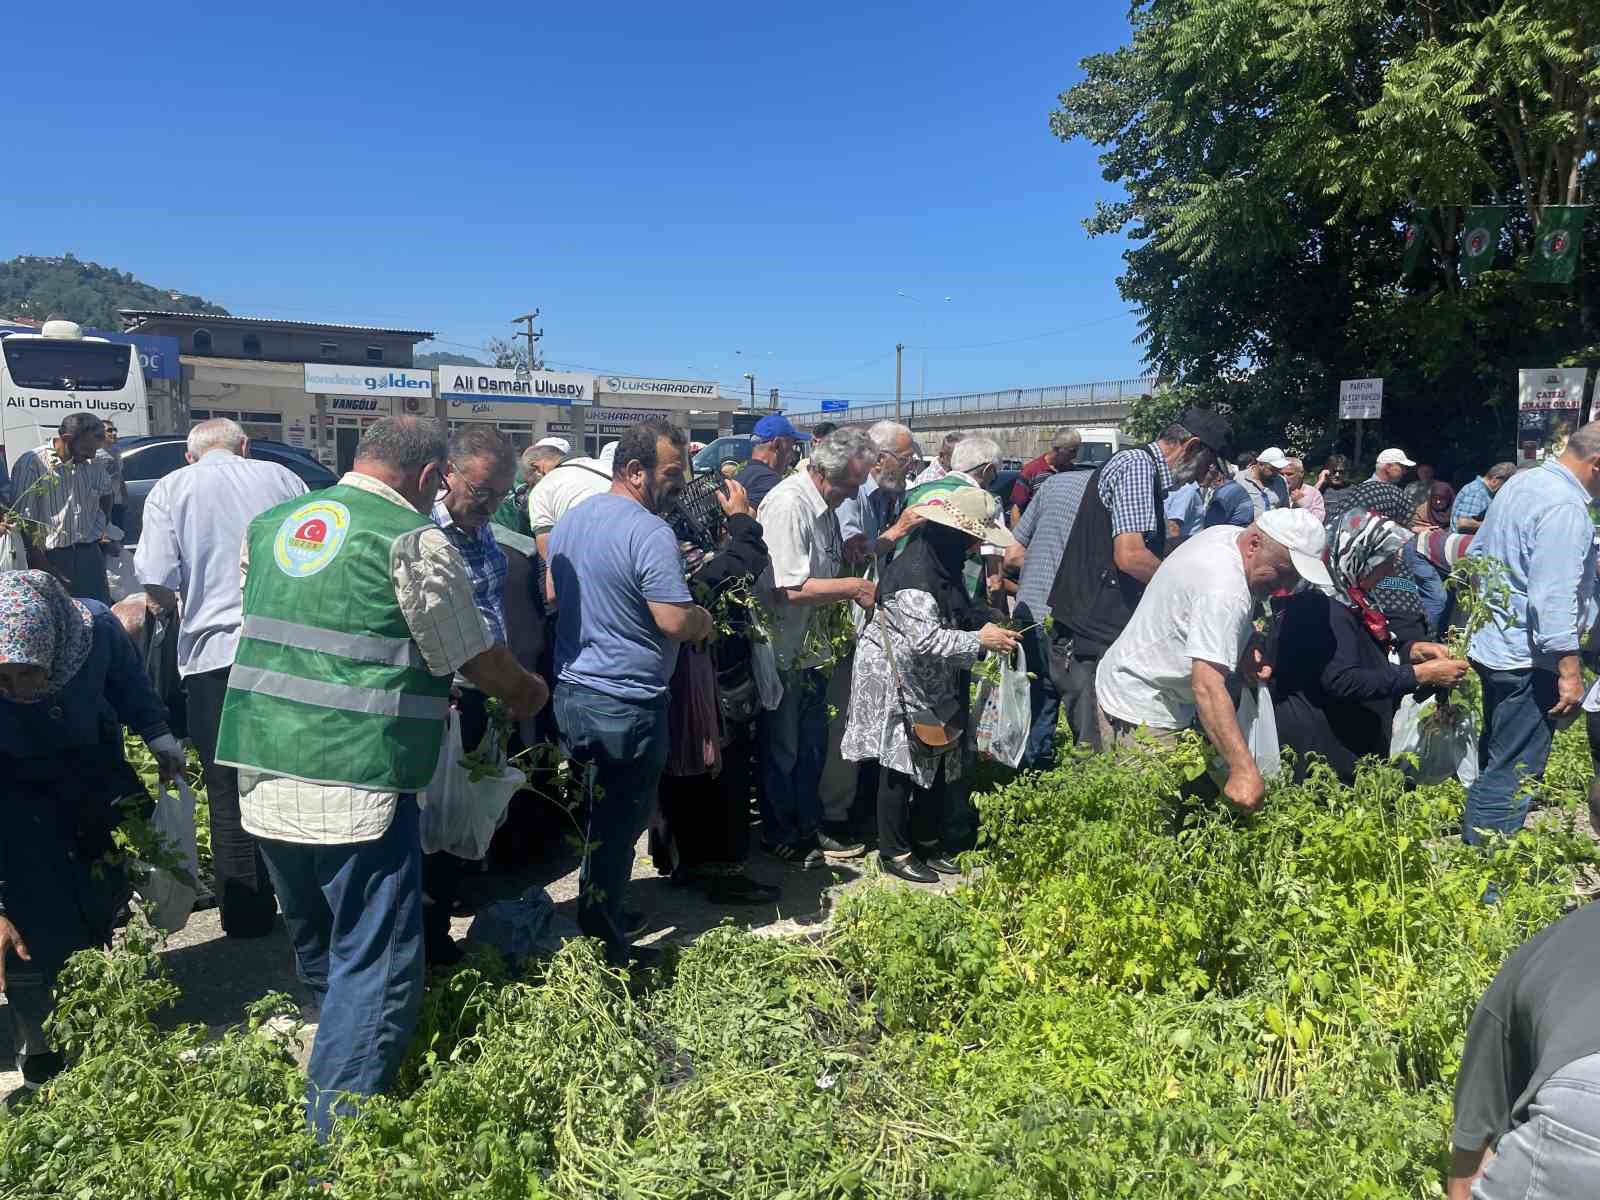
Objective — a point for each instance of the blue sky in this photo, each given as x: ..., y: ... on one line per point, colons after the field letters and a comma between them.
x: 695, y: 190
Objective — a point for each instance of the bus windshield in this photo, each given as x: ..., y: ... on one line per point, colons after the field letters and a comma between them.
x: 76, y: 366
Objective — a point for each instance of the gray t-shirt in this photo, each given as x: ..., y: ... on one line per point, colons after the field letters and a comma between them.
x: 1541, y: 1012
x: 610, y: 557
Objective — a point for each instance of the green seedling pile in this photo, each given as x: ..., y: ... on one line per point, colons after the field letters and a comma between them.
x: 1130, y: 1000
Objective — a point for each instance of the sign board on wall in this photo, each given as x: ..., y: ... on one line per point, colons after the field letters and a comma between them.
x: 330, y: 379
x: 1360, y: 399
x: 656, y: 389
x: 463, y: 385
x: 361, y: 406
x: 1549, y: 400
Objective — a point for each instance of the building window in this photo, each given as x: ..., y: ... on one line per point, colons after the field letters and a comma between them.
x: 375, y: 354
x: 330, y: 349
x: 252, y: 344
x: 202, y: 341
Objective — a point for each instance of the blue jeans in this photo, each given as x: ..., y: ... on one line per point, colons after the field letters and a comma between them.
x: 1430, y: 585
x: 1044, y: 701
x: 623, y: 743
x: 794, y: 743
x: 1555, y: 1153
x: 354, y: 915
x: 1515, y: 743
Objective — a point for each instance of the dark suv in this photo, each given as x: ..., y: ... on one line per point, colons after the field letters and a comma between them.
x: 147, y: 459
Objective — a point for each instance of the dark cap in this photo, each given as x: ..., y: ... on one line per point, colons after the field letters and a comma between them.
x: 1210, y: 428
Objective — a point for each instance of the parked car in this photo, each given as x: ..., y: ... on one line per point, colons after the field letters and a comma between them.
x: 724, y: 449
x: 147, y: 459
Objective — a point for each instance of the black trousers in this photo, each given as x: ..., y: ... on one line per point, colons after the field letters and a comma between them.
x: 443, y: 872
x: 1072, y: 671
x: 244, y: 891
x: 710, y: 818
x: 920, y: 820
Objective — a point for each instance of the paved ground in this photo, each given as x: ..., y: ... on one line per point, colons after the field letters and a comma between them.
x: 220, y: 976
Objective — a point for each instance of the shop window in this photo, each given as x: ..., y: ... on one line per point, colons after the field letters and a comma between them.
x: 330, y: 349
x: 252, y: 345
x: 201, y: 339
x: 375, y: 354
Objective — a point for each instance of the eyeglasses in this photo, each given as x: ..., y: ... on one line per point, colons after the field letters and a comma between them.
x: 480, y: 494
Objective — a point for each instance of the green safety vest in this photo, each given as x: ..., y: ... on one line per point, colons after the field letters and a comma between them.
x: 328, y: 686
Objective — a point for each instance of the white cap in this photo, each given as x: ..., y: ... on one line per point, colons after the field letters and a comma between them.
x: 608, y: 455
x: 1273, y: 457
x: 556, y: 443
x: 1302, y: 535
x: 1394, y: 455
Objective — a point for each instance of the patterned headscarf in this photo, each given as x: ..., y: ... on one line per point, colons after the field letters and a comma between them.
x: 1362, y: 542
x: 42, y: 626
x: 1396, y: 596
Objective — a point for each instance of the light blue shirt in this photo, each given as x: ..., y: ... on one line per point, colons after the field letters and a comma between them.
x: 194, y: 526
x: 867, y: 513
x: 1539, y: 526
x: 1187, y: 506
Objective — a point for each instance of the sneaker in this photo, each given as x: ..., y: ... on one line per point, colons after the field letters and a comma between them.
x: 797, y: 854
x: 834, y: 848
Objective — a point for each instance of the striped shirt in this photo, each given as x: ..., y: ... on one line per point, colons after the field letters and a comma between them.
x: 66, y: 501
x: 1044, y: 529
x: 434, y: 590
x: 1127, y: 488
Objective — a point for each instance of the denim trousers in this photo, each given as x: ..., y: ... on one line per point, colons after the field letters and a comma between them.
x: 794, y: 743
x: 1515, y: 743
x: 1044, y: 702
x: 1430, y: 586
x: 354, y: 915
x: 623, y: 745
x: 1555, y: 1153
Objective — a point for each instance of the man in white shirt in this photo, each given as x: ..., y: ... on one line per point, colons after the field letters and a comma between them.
x: 194, y: 523
x: 806, y: 550
x: 1170, y: 665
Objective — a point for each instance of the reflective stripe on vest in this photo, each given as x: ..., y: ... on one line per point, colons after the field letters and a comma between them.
x: 362, y: 647
x: 343, y: 696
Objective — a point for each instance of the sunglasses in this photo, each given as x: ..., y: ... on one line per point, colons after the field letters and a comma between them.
x: 480, y: 493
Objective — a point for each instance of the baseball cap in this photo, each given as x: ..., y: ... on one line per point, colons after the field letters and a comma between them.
x: 1303, y: 536
x: 1210, y: 428
x: 776, y: 425
x: 1394, y: 455
x: 608, y: 455
x: 556, y: 443
x: 1273, y: 456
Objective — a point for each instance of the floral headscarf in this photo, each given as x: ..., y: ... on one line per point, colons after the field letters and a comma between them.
x: 42, y: 626
x: 1362, y: 541
x: 1396, y: 596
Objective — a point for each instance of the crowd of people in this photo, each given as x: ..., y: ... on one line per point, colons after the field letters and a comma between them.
x: 799, y: 635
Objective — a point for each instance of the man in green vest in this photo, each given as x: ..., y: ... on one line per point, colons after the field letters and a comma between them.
x: 357, y: 611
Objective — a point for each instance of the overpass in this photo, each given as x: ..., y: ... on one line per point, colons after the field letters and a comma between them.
x: 1022, y: 420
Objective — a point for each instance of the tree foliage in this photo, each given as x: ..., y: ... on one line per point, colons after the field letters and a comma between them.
x: 1273, y: 152
x: 36, y: 288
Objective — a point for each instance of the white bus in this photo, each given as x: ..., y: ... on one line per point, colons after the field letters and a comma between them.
x: 46, y: 375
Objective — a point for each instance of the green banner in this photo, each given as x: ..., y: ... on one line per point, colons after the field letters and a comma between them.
x: 1480, y: 237
x: 1558, y: 243
x: 1415, y: 240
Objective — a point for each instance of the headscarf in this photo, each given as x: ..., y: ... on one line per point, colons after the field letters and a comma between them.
x: 42, y: 626
x: 1441, y: 498
x: 933, y: 561
x: 1362, y: 542
x: 1397, y: 596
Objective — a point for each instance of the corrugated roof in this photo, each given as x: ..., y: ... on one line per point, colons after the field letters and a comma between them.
x: 156, y: 314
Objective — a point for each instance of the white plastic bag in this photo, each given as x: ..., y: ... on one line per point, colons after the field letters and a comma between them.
x: 1441, y: 752
x: 460, y: 815
x: 1259, y: 724
x: 764, y: 666
x: 168, y: 900
x: 13, y: 551
x: 1004, y: 714
x: 119, y: 576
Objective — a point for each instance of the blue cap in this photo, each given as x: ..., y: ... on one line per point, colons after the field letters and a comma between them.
x: 776, y: 425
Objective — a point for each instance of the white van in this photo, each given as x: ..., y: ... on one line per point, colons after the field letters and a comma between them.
x: 45, y: 376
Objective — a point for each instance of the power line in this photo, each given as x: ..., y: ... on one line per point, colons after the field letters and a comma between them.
x: 1031, y: 337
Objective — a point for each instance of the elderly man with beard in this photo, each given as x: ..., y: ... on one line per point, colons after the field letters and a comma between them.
x: 1117, y: 542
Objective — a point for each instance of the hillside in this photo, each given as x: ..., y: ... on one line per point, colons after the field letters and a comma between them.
x: 446, y: 358
x: 36, y: 287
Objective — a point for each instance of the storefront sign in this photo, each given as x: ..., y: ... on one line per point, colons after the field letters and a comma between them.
x: 1360, y: 399
x: 328, y: 379
x: 1548, y: 402
x: 656, y: 389
x: 366, y: 406
x: 461, y: 385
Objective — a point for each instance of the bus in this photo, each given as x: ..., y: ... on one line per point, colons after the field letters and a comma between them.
x: 46, y: 375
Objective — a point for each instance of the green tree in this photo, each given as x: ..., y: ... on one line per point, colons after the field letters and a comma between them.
x: 1273, y: 152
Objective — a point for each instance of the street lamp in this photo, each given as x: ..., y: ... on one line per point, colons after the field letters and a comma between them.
x: 751, y: 377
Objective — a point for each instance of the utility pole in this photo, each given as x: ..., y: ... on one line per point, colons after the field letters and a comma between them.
x: 899, y: 347
x: 748, y: 375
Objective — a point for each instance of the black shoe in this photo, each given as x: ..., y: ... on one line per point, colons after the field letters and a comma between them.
x: 442, y: 951
x: 942, y: 865
x: 832, y: 847
x: 801, y: 855
x: 634, y: 924
x: 740, y: 889
x: 909, y: 868
x: 645, y: 958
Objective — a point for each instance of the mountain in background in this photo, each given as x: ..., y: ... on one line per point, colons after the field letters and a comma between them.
x: 36, y: 288
x: 446, y: 359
